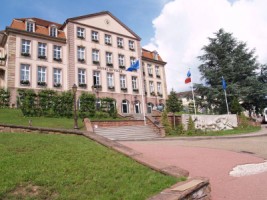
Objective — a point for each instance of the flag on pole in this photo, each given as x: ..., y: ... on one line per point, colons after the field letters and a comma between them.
x: 188, y: 79
x: 134, y: 66
x: 223, y: 83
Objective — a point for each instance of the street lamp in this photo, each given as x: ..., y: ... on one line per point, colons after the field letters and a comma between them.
x: 74, y: 89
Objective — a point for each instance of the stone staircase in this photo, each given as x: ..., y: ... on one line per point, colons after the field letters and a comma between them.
x: 127, y: 133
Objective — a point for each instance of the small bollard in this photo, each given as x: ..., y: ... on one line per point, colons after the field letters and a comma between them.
x: 30, y: 122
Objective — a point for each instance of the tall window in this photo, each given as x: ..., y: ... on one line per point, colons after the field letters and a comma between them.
x: 41, y: 75
x: 80, y: 32
x: 108, y: 58
x: 159, y: 88
x: 149, y: 70
x: 157, y: 71
x: 81, y: 76
x: 57, y: 52
x: 95, y: 55
x: 25, y: 47
x: 131, y: 45
x: 120, y: 42
x: 123, y: 81
x: 30, y: 26
x: 121, y: 60
x: 110, y: 80
x: 125, y: 106
x: 57, y: 77
x: 24, y: 73
x: 132, y: 60
x: 107, y: 39
x: 151, y: 86
x: 96, y: 77
x: 41, y: 50
x: 134, y: 82
x: 149, y: 107
x: 81, y: 53
x: 53, y: 31
x: 95, y: 36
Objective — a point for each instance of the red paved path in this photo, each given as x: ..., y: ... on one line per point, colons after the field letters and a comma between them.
x: 212, y: 163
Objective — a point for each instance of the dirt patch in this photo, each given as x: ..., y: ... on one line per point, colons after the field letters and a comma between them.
x: 29, y: 191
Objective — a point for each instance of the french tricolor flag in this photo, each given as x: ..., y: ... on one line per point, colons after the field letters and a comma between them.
x: 188, y: 79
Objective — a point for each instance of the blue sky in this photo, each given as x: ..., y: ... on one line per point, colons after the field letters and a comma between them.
x: 136, y: 14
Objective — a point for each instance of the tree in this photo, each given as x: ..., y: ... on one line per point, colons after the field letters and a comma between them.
x: 173, y: 104
x: 227, y: 57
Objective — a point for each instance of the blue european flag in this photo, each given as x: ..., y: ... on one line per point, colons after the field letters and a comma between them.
x: 223, y: 83
x: 134, y: 66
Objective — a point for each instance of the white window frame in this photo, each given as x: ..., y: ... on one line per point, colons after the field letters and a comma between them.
x: 81, y: 76
x: 110, y: 80
x: 80, y: 32
x: 159, y: 90
x: 81, y: 53
x: 95, y: 55
x: 123, y: 81
x: 25, y: 46
x: 53, y: 31
x: 41, y: 74
x: 57, y: 52
x: 151, y: 87
x: 120, y: 42
x: 57, y: 76
x: 157, y: 71
x: 121, y: 60
x: 108, y: 57
x: 96, y: 78
x: 95, y: 36
x: 24, y: 72
x: 41, y: 49
x: 132, y: 60
x: 134, y: 82
x: 30, y: 26
x: 131, y: 45
x: 108, y: 39
x: 149, y: 69
x: 125, y: 103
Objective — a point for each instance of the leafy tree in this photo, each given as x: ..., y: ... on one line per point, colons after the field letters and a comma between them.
x: 235, y: 107
x: 173, y: 104
x: 227, y: 57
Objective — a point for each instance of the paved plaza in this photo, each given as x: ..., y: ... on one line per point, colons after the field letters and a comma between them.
x: 215, y: 158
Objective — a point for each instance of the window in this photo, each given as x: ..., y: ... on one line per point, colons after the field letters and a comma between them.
x: 137, y: 107
x: 145, y: 90
x: 41, y: 50
x: 57, y: 53
x: 149, y: 107
x: 151, y: 86
x: 149, y: 70
x: 132, y: 60
x: 123, y: 81
x: 109, y: 59
x: 95, y: 54
x: 53, y: 31
x: 30, y: 26
x: 125, y: 106
x: 80, y: 32
x: 131, y: 45
x: 134, y: 83
x: 24, y: 74
x: 107, y: 39
x: 120, y: 42
x: 41, y: 76
x: 81, y: 77
x: 121, y: 60
x: 96, y: 77
x: 157, y: 71
x: 25, y: 47
x: 57, y: 77
x: 95, y: 36
x: 159, y: 88
x: 81, y: 53
x: 110, y: 79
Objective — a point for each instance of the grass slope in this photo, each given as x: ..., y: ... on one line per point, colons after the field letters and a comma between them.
x: 71, y: 167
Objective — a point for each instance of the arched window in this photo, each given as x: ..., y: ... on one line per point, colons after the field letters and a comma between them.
x: 137, y: 107
x: 150, y: 107
x: 160, y: 107
x: 125, y: 106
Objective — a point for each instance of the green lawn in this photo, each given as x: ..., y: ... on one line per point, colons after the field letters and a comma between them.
x: 35, y: 166
x: 15, y: 117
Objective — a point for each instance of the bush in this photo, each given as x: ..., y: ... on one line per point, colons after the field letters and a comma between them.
x: 46, y: 101
x: 87, y: 105
x: 101, y: 115
x: 63, y: 106
x: 180, y: 129
x: 4, y: 98
x: 28, y: 103
x: 165, y: 122
x: 191, y: 126
x: 243, y: 121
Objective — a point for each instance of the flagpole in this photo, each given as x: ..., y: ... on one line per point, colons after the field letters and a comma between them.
x: 226, y: 102
x: 193, y: 98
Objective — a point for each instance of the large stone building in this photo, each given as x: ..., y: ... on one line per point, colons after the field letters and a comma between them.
x: 92, y: 51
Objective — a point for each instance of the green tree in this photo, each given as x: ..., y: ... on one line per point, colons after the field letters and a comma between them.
x: 191, y: 126
x: 227, y: 57
x: 235, y: 106
x: 174, y: 104
x: 165, y: 122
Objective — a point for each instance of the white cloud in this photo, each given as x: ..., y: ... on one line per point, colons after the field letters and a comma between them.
x: 183, y: 26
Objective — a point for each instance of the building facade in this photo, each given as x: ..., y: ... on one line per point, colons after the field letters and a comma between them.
x: 91, y: 51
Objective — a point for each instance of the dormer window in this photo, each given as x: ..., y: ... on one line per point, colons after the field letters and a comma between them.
x: 155, y: 55
x: 53, y: 31
x: 30, y: 26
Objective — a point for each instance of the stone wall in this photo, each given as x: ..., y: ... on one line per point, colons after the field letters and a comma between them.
x: 101, y: 124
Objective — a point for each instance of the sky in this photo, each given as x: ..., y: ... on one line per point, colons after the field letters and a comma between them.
x: 177, y: 29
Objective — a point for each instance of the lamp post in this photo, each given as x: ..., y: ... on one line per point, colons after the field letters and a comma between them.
x: 74, y: 89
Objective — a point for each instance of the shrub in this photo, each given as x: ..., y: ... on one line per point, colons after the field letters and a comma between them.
x: 63, y: 106
x: 87, y: 105
x: 180, y: 129
x: 27, y: 102
x: 46, y: 101
x: 4, y: 98
x: 191, y: 126
x: 243, y: 121
x: 165, y: 122
x: 101, y: 114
